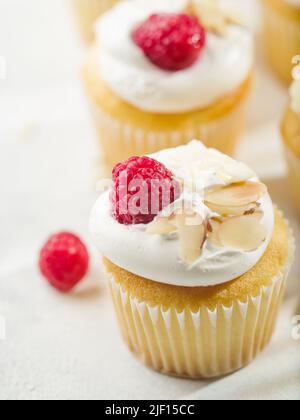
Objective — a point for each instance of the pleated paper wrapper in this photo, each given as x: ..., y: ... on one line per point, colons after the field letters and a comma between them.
x: 119, y: 140
x: 282, y: 38
x: 203, y: 344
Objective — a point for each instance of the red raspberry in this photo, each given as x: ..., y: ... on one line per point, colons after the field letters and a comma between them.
x: 64, y: 261
x: 171, y: 41
x: 142, y: 188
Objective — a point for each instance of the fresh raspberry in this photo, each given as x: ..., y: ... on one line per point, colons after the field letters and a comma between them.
x: 171, y: 41
x: 64, y: 261
x: 142, y: 188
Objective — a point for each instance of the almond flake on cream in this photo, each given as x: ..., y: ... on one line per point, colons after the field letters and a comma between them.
x: 213, y: 16
x: 228, y: 215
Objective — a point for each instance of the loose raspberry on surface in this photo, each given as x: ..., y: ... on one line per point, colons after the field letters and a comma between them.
x: 142, y: 188
x: 171, y: 41
x: 64, y: 261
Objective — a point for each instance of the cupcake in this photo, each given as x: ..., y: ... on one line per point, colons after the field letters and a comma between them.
x: 174, y: 70
x: 196, y: 258
x: 87, y: 12
x: 282, y: 34
x: 291, y: 137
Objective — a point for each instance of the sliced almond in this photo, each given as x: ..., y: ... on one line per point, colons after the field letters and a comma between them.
x: 235, y: 173
x: 259, y: 214
x: 212, y: 15
x: 161, y: 226
x: 191, y: 239
x: 244, y: 233
x: 194, y: 220
x: 233, y: 210
x: 237, y: 195
x: 213, y: 232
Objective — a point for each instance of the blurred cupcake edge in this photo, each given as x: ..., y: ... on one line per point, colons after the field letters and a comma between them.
x: 281, y: 29
x: 290, y: 129
x: 87, y: 12
x: 139, y: 108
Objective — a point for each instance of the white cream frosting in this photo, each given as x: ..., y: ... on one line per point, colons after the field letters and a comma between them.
x: 155, y: 257
x: 223, y: 65
x: 295, y: 96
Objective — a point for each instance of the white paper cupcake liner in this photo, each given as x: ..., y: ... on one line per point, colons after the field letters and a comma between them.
x: 204, y: 344
x: 120, y: 140
x: 282, y: 40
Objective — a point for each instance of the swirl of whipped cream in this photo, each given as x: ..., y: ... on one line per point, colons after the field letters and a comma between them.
x: 155, y: 257
x: 223, y: 65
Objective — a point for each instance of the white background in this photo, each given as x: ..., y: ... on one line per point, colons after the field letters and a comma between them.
x: 68, y: 346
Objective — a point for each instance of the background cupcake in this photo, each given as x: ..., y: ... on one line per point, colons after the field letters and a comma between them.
x: 146, y: 96
x: 196, y: 284
x: 87, y: 12
x: 291, y: 138
x: 282, y: 34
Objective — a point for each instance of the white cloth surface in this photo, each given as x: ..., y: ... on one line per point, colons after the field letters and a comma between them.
x: 68, y: 347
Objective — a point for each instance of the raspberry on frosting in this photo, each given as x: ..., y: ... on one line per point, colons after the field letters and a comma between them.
x: 171, y: 41
x: 142, y: 188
